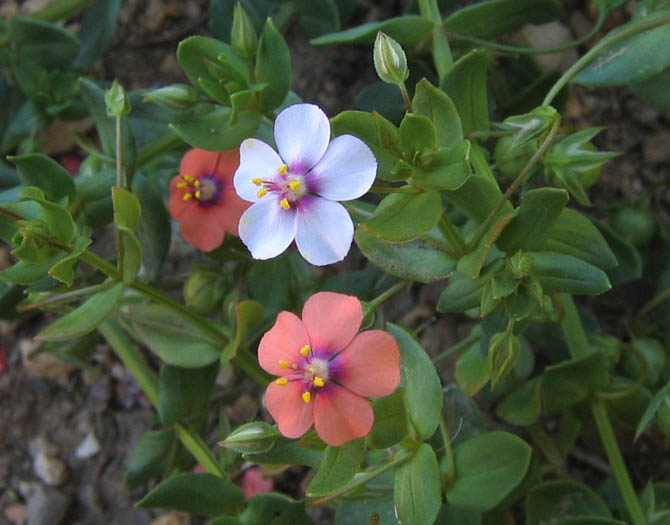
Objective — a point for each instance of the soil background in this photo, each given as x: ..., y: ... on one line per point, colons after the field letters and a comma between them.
x: 67, y: 433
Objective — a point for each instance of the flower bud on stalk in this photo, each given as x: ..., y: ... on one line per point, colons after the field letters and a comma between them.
x: 504, y: 350
x: 116, y: 100
x: 243, y: 35
x: 176, y: 96
x: 390, y: 60
x: 251, y: 438
x: 203, y: 292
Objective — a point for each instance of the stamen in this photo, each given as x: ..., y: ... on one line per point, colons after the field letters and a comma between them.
x: 306, y: 397
x: 182, y: 185
x: 187, y: 196
x: 283, y: 363
x: 282, y: 381
x: 261, y: 192
x: 304, y: 351
x: 294, y: 184
x: 283, y: 169
x: 198, y: 194
x: 284, y: 204
x: 196, y: 184
x: 188, y: 178
x: 257, y: 181
x: 318, y: 381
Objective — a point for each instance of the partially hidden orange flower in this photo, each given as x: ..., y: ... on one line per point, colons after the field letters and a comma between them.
x: 327, y: 369
x: 203, y: 200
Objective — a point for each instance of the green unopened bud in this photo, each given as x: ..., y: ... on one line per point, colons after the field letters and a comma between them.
x: 251, y: 438
x: 116, y: 100
x: 203, y: 291
x: 519, y: 264
x: 529, y: 126
x: 504, y: 350
x: 243, y: 35
x: 390, y: 60
x: 176, y: 96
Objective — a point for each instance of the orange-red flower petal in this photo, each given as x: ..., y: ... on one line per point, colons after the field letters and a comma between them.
x: 282, y: 343
x: 370, y: 364
x: 332, y: 320
x: 341, y: 416
x: 294, y: 417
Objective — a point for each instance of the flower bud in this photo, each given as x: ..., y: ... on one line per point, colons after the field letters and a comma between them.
x: 176, y: 96
x: 243, y: 35
x: 390, y: 60
x: 504, y: 350
x: 116, y: 100
x: 251, y: 438
x: 203, y: 291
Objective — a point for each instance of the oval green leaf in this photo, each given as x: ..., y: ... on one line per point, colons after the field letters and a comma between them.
x: 417, y: 488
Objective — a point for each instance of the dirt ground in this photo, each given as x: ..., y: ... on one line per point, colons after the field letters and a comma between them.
x: 67, y: 433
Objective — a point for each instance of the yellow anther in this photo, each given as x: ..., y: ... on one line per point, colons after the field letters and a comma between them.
x: 261, y: 192
x: 294, y: 184
x: 257, y: 182
x: 318, y: 381
x: 306, y: 397
x: 282, y: 381
x: 188, y: 178
x: 283, y: 363
x: 198, y: 194
x: 283, y: 169
x: 196, y: 184
x: 182, y: 184
x: 187, y: 196
x: 304, y: 351
x: 284, y: 204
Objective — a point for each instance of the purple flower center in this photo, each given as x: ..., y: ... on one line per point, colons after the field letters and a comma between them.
x: 290, y: 186
x: 316, y: 370
x: 206, y: 190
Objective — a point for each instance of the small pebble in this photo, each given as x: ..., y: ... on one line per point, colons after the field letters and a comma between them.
x: 46, y: 506
x: 49, y: 469
x: 90, y: 446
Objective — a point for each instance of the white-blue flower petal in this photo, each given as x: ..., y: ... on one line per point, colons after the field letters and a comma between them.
x: 346, y: 171
x: 266, y: 228
x: 324, y: 230
x: 302, y: 132
x: 257, y: 161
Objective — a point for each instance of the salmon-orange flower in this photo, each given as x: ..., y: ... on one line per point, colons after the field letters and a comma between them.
x: 203, y: 200
x: 327, y: 369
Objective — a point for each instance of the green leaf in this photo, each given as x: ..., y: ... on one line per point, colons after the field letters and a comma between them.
x: 391, y: 420
x: 356, y: 512
x: 523, y: 406
x: 633, y: 59
x: 494, y: 18
x: 184, y: 392
x: 417, y: 133
x: 57, y: 218
x: 567, y: 383
x: 98, y: 23
x: 176, y: 341
x: 466, y: 85
x: 273, y: 509
x: 208, y: 127
x: 473, y: 370
x: 655, y: 89
x: 490, y: 465
x: 417, y: 488
x: 424, y: 391
x: 574, y: 234
x: 407, y: 30
x: 85, y: 318
x: 148, y: 458
x: 273, y: 65
x: 552, y: 500
x: 558, y: 273
x: 126, y: 217
x: 537, y: 213
x: 461, y: 294
x: 43, y: 43
x: 662, y: 396
x: 379, y: 134
x: 204, y: 494
x: 63, y: 270
x: 338, y: 467
x: 448, y: 169
x: 317, y: 17
x: 153, y: 229
x: 477, y: 197
x: 626, y: 254
x: 462, y: 415
x: 287, y: 452
x: 25, y: 273
x: 248, y: 314
x: 472, y: 263
x: 438, y: 107
x: 400, y: 259
x: 39, y: 170
x: 402, y: 217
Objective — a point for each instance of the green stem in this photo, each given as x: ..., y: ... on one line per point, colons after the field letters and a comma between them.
x: 405, y: 97
x: 386, y: 294
x: 61, y: 9
x: 575, y: 337
x: 642, y: 25
x: 399, y: 459
x: 452, y: 235
x: 146, y: 378
x: 444, y: 62
x: 88, y: 290
x: 483, y: 228
x: 149, y: 152
x: 533, y: 50
x: 120, y: 172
